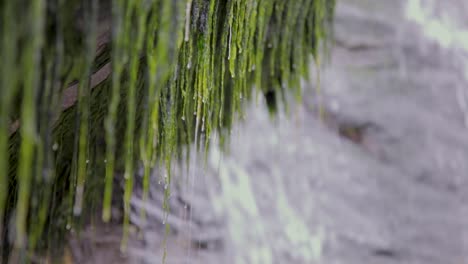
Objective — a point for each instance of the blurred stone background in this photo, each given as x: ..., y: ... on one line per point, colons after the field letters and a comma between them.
x: 371, y: 168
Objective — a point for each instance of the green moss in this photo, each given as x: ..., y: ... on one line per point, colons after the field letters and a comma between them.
x: 7, y: 92
x: 29, y: 62
x: 181, y: 70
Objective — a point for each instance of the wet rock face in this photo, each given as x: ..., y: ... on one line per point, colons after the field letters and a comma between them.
x: 411, y: 95
x: 390, y: 75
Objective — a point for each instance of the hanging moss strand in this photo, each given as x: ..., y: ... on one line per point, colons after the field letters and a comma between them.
x: 29, y: 62
x: 119, y: 58
x: 140, y: 17
x: 7, y: 91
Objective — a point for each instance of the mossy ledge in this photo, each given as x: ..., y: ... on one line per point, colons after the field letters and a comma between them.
x: 78, y: 77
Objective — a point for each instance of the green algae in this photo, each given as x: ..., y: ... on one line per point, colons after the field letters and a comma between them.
x: 29, y: 63
x: 9, y: 36
x: 83, y: 161
x: 181, y: 70
x: 118, y: 59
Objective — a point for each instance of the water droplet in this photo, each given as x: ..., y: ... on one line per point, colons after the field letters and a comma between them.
x: 55, y: 146
x: 87, y: 161
x: 183, y: 118
x: 270, y: 45
x: 159, y: 182
x: 105, y: 161
x: 68, y: 226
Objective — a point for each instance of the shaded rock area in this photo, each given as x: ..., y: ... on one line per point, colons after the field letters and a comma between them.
x: 371, y: 169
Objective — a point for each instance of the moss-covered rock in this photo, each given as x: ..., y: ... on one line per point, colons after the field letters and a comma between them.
x: 91, y: 87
